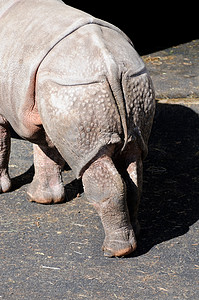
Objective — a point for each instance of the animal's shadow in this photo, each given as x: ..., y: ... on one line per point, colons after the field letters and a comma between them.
x: 169, y: 203
x: 72, y: 189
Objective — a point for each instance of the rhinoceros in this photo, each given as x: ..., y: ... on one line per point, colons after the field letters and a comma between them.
x: 75, y: 87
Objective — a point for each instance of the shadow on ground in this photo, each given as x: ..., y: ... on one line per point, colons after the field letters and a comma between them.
x: 171, y: 177
x: 72, y: 189
x: 22, y: 179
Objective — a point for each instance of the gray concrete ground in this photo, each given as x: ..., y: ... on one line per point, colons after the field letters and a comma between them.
x: 175, y: 71
x: 53, y: 252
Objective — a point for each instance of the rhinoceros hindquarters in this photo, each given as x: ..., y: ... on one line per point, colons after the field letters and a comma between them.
x: 81, y: 120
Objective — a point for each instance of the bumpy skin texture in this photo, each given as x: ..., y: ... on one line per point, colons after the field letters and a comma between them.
x: 75, y: 87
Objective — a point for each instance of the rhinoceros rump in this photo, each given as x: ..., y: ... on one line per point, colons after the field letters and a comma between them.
x: 75, y: 86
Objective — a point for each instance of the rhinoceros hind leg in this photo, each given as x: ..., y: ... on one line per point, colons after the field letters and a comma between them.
x: 47, y: 185
x: 105, y: 189
x: 5, y: 182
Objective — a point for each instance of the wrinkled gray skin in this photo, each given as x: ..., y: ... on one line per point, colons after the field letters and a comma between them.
x: 75, y: 87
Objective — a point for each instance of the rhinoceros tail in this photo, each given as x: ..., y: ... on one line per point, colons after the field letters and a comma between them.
x: 115, y: 82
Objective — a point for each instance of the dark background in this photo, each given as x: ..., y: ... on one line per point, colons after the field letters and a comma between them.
x: 151, y: 25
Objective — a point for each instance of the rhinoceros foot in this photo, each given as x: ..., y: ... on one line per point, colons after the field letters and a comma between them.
x: 5, y: 183
x: 43, y: 193
x: 122, y: 242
